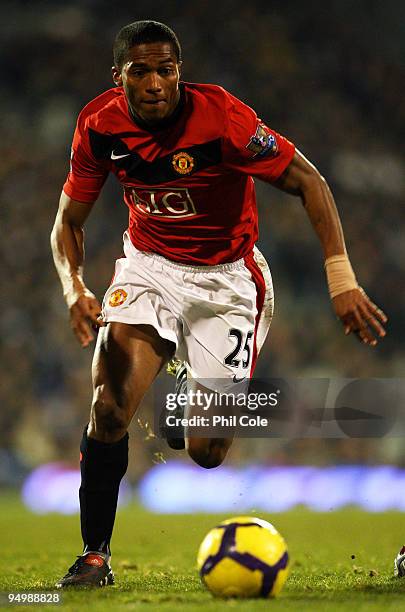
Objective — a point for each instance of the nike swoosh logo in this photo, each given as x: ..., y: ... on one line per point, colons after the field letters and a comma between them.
x: 113, y: 156
x: 238, y: 380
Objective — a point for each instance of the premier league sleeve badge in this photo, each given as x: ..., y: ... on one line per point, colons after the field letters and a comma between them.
x: 263, y: 142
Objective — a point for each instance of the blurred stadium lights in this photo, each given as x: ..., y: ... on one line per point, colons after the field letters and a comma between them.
x: 54, y: 487
x: 176, y: 488
x: 173, y: 487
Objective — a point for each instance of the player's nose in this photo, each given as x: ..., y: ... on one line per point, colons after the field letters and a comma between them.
x: 153, y: 83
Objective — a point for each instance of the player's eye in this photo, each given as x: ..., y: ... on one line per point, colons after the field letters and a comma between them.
x: 165, y: 71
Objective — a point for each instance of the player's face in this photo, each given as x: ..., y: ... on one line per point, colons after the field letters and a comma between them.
x: 150, y: 77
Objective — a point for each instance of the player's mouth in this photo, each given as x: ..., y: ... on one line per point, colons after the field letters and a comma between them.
x: 154, y: 102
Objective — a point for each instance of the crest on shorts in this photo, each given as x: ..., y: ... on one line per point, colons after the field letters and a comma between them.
x: 118, y: 297
x: 183, y: 163
x: 263, y: 142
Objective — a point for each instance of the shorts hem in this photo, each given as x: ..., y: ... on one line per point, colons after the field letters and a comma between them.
x: 165, y: 334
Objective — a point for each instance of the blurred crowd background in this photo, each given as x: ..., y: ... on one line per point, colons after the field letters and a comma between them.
x: 327, y: 75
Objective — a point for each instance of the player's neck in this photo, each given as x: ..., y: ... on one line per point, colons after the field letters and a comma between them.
x: 164, y: 123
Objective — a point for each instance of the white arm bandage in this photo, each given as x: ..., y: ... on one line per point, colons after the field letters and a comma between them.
x: 340, y: 275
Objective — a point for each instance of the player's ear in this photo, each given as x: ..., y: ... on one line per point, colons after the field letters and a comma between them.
x: 179, y: 64
x: 116, y: 75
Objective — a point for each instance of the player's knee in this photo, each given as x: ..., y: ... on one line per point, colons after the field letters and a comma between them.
x: 108, y: 419
x: 208, y: 455
x: 207, y: 461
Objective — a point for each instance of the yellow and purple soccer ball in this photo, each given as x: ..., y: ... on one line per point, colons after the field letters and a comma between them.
x: 243, y: 557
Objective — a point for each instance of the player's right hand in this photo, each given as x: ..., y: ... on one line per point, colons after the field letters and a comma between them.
x: 360, y: 316
x: 85, y: 313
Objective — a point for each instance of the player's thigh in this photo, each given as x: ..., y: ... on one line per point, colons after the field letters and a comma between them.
x: 126, y: 361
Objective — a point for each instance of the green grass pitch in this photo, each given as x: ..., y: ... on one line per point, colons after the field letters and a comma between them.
x: 154, y: 560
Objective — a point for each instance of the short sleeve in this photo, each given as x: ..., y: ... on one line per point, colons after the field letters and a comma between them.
x: 87, y: 175
x: 251, y: 147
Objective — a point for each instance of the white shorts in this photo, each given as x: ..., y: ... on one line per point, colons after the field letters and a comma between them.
x: 217, y: 316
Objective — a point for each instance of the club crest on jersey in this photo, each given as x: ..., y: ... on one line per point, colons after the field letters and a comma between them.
x: 183, y: 163
x: 263, y: 142
x: 118, y: 297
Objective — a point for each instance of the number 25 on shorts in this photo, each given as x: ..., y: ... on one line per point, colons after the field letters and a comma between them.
x: 242, y: 351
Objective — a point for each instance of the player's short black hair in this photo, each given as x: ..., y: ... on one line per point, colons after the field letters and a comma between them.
x: 139, y: 33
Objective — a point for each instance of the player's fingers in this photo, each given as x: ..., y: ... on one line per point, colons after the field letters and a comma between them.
x: 362, y: 331
x: 83, y: 332
x: 99, y: 319
x: 354, y: 325
x: 350, y: 326
x: 371, y: 320
x: 377, y: 312
x: 359, y: 333
x: 362, y: 337
x: 96, y: 319
x: 92, y: 310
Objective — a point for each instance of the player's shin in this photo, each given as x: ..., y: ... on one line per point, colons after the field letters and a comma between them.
x: 175, y: 434
x: 102, y: 467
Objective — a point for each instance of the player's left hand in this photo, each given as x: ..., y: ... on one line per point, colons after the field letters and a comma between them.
x: 360, y: 316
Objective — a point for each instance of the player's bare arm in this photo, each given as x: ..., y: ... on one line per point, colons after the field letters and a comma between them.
x: 67, y: 241
x: 351, y: 304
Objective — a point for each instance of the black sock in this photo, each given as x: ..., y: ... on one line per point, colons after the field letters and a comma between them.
x: 102, y: 466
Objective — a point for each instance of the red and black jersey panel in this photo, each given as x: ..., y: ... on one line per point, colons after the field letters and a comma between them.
x: 188, y: 185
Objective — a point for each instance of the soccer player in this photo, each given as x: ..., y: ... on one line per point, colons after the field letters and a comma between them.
x: 192, y: 283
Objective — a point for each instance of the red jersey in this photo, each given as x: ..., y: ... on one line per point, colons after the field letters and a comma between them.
x: 188, y: 185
